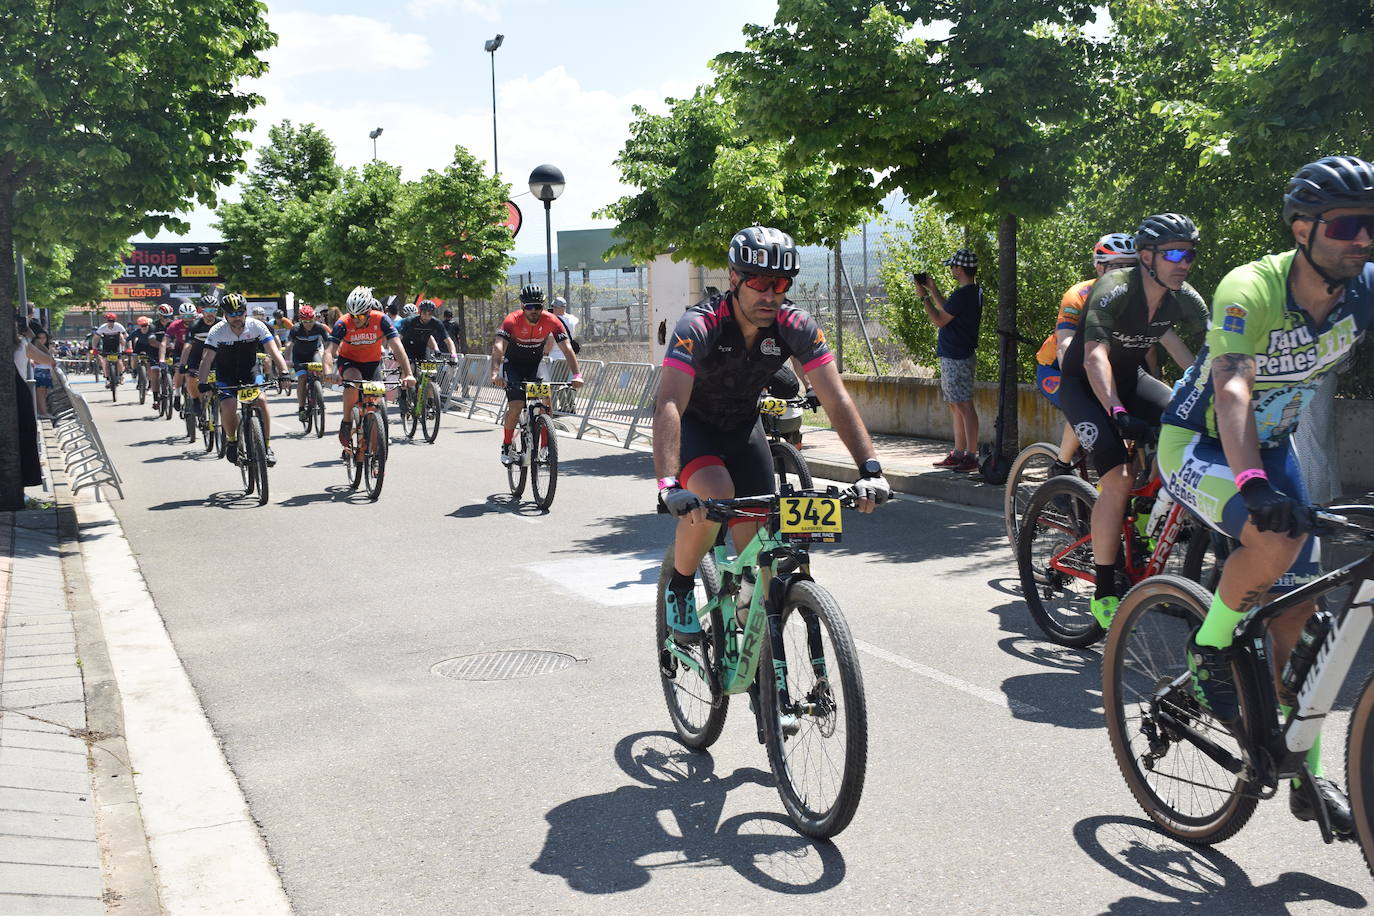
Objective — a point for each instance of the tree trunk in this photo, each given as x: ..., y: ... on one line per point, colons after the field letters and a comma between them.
x: 1006, y: 323
x: 462, y: 324
x: 11, y: 472
x: 837, y: 307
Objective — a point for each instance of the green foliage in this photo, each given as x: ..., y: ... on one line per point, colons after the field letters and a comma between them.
x: 359, y: 240
x: 702, y: 179
x: 61, y: 276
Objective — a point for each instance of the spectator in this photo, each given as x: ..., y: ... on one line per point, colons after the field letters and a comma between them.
x: 30, y: 466
x: 559, y: 307
x: 957, y: 318
x: 456, y: 332
x: 42, y: 374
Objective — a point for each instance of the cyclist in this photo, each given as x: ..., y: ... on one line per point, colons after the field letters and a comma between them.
x: 1104, y: 390
x: 141, y: 341
x: 523, y: 333
x: 112, y: 337
x: 1278, y: 326
x: 281, y: 326
x: 232, y: 347
x: 196, y: 334
x: 419, y: 330
x: 303, y: 343
x: 1114, y: 251
x: 173, y: 342
x: 356, y: 343
x: 708, y: 438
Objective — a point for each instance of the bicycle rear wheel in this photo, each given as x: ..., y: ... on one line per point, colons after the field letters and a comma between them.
x: 353, y: 464
x: 256, y: 444
x: 1148, y: 700
x: 697, y: 718
x: 1359, y: 768
x: 543, y: 461
x: 317, y: 406
x: 433, y: 410
x: 1054, y: 556
x: 406, y: 406
x: 818, y: 746
x: 374, y: 456
x: 789, y: 467
x: 1028, y: 471
x: 516, y: 470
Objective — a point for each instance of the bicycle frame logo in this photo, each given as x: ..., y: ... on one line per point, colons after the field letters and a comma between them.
x: 1338, y: 653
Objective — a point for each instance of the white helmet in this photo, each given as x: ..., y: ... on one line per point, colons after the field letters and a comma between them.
x: 360, y: 301
x: 260, y: 313
x: 1115, y: 246
x: 187, y: 310
x: 409, y: 310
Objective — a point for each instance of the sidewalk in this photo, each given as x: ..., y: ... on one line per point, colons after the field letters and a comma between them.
x: 907, y: 465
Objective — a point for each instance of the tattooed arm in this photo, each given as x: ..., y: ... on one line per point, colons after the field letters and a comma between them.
x: 1233, y: 380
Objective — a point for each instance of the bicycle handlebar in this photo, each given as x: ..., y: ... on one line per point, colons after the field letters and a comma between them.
x: 721, y: 510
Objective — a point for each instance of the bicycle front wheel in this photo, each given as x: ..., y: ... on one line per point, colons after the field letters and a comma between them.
x: 374, y: 462
x: 516, y: 470
x: 543, y: 462
x: 188, y: 415
x: 317, y: 407
x: 1148, y: 700
x: 142, y: 384
x: 1028, y: 471
x: 1359, y: 768
x: 817, y: 743
x: 433, y: 410
x: 1054, y: 556
x: 256, y: 444
x: 353, y: 457
x: 697, y: 717
x: 789, y: 467
x: 406, y: 406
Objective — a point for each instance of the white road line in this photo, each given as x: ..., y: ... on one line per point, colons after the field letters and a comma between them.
x: 949, y: 680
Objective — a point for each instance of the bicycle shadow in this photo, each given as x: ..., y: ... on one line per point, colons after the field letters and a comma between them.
x: 1193, y: 877
x: 498, y: 503
x: 339, y: 493
x: 673, y: 821
x: 1068, y: 693
x: 224, y: 499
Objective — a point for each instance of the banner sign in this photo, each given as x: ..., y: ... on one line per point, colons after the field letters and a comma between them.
x: 161, y: 262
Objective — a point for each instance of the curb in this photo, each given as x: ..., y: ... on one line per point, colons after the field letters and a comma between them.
x: 931, y: 485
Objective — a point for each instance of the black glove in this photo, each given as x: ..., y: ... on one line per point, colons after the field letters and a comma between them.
x: 812, y: 401
x: 1270, y: 510
x: 678, y: 501
x: 1132, y: 428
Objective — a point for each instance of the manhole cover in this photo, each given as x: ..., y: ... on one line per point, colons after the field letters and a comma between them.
x: 503, y: 666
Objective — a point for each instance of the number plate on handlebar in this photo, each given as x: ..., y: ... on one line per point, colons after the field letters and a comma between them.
x: 248, y: 395
x: 814, y: 519
x: 315, y: 367
x: 773, y: 407
x: 374, y: 387
x: 538, y: 390
x: 429, y: 367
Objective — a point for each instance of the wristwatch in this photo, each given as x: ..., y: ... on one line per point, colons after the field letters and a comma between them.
x: 871, y: 468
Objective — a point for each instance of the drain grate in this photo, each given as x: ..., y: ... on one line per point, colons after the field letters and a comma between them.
x: 503, y: 666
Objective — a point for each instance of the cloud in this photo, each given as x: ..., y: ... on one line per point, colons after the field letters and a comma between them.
x: 314, y: 43
x: 424, y: 9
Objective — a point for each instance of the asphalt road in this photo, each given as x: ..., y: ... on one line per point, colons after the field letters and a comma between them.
x: 311, y: 629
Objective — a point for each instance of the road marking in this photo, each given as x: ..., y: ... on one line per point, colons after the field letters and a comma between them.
x: 949, y: 680
x: 616, y: 579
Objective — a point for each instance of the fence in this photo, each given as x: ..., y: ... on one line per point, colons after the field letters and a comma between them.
x: 88, y: 462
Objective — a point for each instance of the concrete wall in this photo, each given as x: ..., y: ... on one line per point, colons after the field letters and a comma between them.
x: 674, y: 287
x: 914, y: 407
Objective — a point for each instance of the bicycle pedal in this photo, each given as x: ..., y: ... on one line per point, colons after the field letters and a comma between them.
x: 667, y: 663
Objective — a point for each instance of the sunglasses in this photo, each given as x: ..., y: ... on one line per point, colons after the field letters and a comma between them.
x: 764, y: 284
x: 1346, y: 228
x: 1179, y: 255
x: 531, y: 306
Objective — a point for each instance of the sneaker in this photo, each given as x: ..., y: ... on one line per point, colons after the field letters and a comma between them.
x: 1214, y: 685
x: 967, y: 465
x: 271, y: 458
x: 1104, y: 609
x: 302, y: 413
x: 176, y: 402
x: 231, y: 451
x: 507, y: 454
x: 681, y: 611
x: 949, y: 461
x: 1333, y: 799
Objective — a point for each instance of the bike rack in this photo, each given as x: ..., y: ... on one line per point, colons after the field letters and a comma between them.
x: 84, y: 453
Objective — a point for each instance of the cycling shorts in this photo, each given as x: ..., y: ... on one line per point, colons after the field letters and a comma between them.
x: 743, y: 452
x: 1047, y: 379
x: 516, y: 375
x: 368, y: 370
x: 1196, y: 474
x: 1144, y: 398
x: 302, y: 367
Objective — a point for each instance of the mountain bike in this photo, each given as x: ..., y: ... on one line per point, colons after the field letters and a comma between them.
x: 312, y: 414
x: 112, y: 375
x: 141, y: 377
x: 762, y: 611
x: 1199, y: 779
x: 164, y: 391
x: 252, y: 446
x: 365, y: 456
x: 1029, y: 470
x: 188, y: 412
x: 789, y: 467
x: 1054, y: 555
x: 420, y: 406
x: 535, y: 446
x: 207, y: 417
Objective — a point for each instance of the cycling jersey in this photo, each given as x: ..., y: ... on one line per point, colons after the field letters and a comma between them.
x: 525, y: 341
x: 416, y: 335
x: 1070, y: 313
x: 306, y: 342
x: 363, y: 344
x: 1254, y: 313
x: 109, y: 337
x: 176, y: 333
x: 141, y: 340
x: 236, y: 355
x: 1116, y: 314
x: 708, y: 345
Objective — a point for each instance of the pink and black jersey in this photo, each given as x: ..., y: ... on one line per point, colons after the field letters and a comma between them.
x: 728, y: 377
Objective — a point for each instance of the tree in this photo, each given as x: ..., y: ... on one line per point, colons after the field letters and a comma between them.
x: 62, y: 276
x: 359, y: 239
x: 124, y: 110
x: 984, y: 117
x: 702, y: 179
x: 456, y: 242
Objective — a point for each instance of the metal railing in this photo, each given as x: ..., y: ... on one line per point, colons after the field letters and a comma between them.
x: 88, y: 462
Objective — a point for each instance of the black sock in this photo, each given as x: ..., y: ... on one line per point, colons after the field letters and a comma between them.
x: 681, y: 583
x: 1106, y: 582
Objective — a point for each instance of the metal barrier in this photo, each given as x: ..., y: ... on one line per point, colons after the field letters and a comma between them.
x: 88, y: 462
x: 622, y: 396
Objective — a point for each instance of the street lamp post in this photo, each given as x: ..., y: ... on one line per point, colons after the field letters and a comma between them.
x: 374, y: 135
x: 490, y: 46
x: 546, y: 184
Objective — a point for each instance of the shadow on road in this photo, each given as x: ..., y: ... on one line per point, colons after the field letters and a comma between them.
x: 339, y: 493
x: 1068, y: 693
x: 497, y: 502
x: 225, y: 499
x: 1199, y: 878
x: 673, y: 821
x: 616, y: 464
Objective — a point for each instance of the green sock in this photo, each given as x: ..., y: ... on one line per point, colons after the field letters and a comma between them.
x: 1219, y: 626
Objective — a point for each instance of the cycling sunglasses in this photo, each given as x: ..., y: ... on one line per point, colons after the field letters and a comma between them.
x: 1179, y: 255
x: 764, y: 284
x: 235, y: 313
x: 1346, y: 228
x: 527, y: 306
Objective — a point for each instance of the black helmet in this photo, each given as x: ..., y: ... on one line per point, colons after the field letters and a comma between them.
x: 1163, y: 228
x: 764, y: 251
x: 234, y: 304
x: 1336, y: 181
x: 531, y: 293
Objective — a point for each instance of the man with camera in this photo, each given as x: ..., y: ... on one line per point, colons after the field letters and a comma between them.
x: 958, y: 318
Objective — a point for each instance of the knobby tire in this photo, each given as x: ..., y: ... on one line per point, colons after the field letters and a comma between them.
x: 1059, y: 514
x: 543, y: 471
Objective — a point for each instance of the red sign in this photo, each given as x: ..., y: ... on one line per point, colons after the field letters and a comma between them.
x: 514, y: 219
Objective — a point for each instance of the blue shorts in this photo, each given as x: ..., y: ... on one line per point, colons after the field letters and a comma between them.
x: 1047, y: 380
x: 1196, y: 474
x: 224, y: 387
x: 42, y: 377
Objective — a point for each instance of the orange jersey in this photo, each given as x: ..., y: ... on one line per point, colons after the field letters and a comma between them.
x: 363, y: 344
x: 1070, y: 314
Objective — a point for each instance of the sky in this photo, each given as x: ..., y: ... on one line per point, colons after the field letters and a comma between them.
x: 567, y: 75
